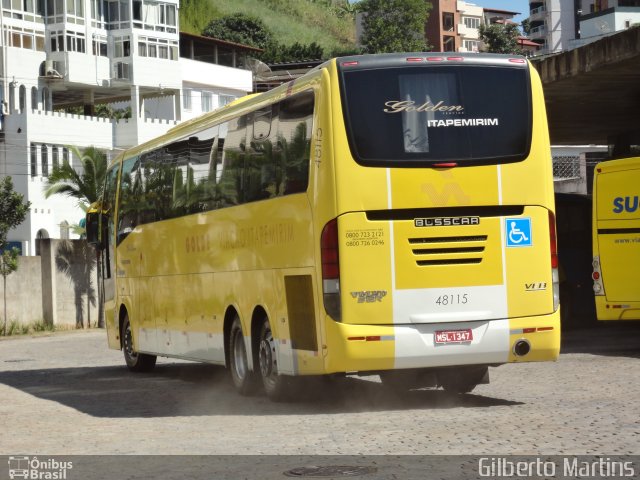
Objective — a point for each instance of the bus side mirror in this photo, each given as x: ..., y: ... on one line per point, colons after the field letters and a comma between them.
x: 96, y: 228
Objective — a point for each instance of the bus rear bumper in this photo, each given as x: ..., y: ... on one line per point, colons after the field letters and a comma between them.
x: 607, y: 310
x: 359, y: 348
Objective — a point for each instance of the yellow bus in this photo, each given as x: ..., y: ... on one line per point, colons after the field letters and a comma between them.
x: 616, y: 239
x: 385, y: 214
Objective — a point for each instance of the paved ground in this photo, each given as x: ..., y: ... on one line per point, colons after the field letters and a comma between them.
x: 68, y: 394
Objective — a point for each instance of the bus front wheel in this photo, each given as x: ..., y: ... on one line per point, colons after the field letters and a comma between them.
x: 277, y: 387
x: 243, y: 379
x: 136, y: 362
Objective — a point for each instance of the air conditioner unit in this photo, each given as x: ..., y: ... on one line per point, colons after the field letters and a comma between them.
x: 50, y: 70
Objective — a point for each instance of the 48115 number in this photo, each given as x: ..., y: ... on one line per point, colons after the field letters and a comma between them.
x: 453, y: 299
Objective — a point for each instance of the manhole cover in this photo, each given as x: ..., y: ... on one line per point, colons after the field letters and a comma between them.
x: 329, y: 471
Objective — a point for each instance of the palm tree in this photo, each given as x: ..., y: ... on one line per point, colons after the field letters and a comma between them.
x: 85, y: 185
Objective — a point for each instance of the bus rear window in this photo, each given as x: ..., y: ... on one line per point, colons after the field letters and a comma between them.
x: 417, y: 116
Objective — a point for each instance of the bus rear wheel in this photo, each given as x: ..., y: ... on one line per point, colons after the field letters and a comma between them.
x: 243, y: 379
x: 136, y: 362
x: 463, y: 379
x: 277, y: 387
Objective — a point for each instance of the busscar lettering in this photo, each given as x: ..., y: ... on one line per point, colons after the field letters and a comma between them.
x: 397, y: 106
x: 446, y: 221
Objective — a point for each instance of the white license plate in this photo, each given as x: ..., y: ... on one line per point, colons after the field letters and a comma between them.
x: 453, y: 336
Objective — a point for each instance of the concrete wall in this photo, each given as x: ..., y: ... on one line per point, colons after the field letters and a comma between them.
x: 24, y: 292
x: 58, y: 287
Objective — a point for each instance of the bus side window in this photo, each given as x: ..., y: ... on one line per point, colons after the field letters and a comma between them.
x: 174, y: 161
x: 201, y: 193
x: 230, y: 184
x: 107, y: 215
x: 294, y: 135
x: 165, y: 182
x: 129, y: 203
x: 259, y: 169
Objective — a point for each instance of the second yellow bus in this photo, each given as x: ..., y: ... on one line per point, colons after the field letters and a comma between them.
x: 616, y: 239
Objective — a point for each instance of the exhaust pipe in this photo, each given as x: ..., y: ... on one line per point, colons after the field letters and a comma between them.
x: 521, y: 348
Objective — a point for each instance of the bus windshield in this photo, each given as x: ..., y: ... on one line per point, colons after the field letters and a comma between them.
x: 471, y: 114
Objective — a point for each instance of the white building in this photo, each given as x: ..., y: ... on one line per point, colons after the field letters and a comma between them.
x: 471, y: 17
x: 71, y: 53
x: 599, y: 18
x: 560, y: 25
x: 553, y: 24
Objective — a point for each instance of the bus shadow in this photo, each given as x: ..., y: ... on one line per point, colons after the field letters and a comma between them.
x: 618, y: 339
x: 199, y: 390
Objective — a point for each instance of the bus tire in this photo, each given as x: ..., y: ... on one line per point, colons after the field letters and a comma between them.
x: 463, y: 379
x: 244, y: 380
x: 277, y: 387
x: 136, y: 362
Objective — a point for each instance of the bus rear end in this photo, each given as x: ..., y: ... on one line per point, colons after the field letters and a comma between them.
x: 616, y: 239
x: 443, y: 240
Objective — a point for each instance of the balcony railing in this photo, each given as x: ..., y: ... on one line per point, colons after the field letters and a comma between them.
x: 538, y: 31
x: 537, y: 11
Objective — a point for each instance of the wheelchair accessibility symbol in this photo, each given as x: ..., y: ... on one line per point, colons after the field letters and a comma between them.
x: 518, y: 232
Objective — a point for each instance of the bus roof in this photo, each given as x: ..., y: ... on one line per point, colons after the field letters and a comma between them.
x: 610, y: 166
x: 430, y: 58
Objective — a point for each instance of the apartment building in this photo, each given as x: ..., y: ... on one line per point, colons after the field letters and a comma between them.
x: 560, y: 25
x: 471, y: 17
x: 599, y: 18
x: 441, y: 28
x: 553, y: 24
x: 453, y: 25
x: 62, y: 54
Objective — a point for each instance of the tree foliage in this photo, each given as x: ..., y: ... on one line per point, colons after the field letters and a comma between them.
x: 103, y: 110
x: 240, y: 28
x: 12, y: 209
x: 248, y: 30
x: 280, y: 53
x: 87, y: 186
x: 394, y: 25
x: 195, y: 14
x: 501, y: 38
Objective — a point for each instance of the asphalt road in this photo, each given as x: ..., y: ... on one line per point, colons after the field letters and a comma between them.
x: 68, y: 394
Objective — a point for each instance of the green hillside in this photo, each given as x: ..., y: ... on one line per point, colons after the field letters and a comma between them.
x: 304, y: 21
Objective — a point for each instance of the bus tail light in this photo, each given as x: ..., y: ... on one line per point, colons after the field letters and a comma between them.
x: 555, y: 276
x: 331, y: 269
x: 598, y: 287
